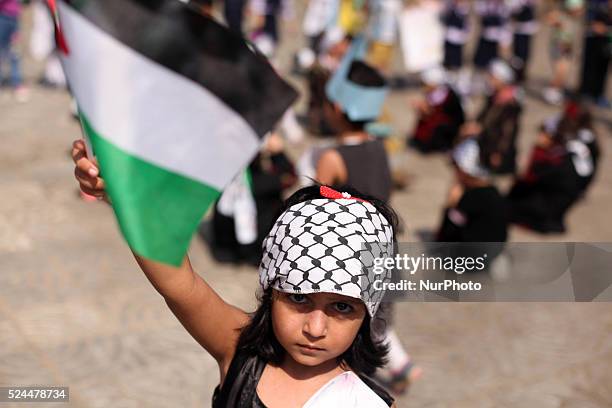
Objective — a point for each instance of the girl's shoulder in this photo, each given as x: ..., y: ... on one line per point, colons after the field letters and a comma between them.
x: 351, y: 390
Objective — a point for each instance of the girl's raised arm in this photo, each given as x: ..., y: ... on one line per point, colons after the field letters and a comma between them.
x: 211, y: 321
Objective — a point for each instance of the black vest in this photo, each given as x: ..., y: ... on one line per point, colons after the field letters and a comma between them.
x: 240, y: 386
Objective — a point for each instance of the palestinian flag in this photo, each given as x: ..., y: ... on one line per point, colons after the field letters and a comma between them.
x: 174, y: 105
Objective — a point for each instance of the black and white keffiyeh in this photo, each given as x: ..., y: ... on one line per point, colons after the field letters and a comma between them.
x: 328, y: 245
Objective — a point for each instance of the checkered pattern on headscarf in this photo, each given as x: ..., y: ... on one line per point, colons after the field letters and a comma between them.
x: 328, y: 245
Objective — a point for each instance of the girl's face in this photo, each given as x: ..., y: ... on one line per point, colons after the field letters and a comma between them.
x: 318, y: 327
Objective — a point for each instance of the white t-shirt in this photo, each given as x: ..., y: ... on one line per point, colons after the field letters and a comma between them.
x: 346, y: 390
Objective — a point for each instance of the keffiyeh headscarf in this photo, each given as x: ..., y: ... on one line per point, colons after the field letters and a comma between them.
x: 328, y: 245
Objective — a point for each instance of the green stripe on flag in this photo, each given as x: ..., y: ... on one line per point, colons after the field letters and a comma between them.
x: 158, y: 210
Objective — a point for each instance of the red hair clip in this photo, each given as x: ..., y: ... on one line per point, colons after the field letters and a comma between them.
x: 332, y: 194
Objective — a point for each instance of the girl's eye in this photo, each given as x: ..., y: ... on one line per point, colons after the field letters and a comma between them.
x: 343, y: 307
x: 298, y: 298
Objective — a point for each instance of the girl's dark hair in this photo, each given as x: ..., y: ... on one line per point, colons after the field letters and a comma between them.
x: 368, y: 350
x: 257, y: 338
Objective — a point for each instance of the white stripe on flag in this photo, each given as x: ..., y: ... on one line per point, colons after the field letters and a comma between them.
x: 150, y: 111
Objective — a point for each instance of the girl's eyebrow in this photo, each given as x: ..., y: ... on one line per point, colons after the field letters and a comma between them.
x: 348, y: 300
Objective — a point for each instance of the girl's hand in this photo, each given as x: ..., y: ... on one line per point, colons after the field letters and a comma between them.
x: 86, y: 172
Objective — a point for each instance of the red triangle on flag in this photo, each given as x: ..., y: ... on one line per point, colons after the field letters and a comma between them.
x: 60, y: 40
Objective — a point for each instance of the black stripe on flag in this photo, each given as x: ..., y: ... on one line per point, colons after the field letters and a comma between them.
x: 193, y: 45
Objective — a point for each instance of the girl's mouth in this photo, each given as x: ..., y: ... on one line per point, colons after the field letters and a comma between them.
x: 306, y: 347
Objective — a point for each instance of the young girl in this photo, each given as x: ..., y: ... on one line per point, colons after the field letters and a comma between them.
x: 311, y: 342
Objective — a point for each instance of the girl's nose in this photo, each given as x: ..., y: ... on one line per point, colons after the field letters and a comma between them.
x: 315, y: 324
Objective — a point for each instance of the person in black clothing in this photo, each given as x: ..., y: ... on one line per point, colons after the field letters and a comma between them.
x: 271, y: 174
x: 475, y: 211
x: 455, y: 19
x: 597, y: 51
x: 440, y: 114
x: 541, y: 197
x: 494, y: 31
x: 523, y: 16
x: 498, y: 122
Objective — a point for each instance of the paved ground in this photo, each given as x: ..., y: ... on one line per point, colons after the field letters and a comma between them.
x: 76, y: 311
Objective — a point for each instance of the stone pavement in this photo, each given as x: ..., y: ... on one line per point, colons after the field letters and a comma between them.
x: 75, y: 310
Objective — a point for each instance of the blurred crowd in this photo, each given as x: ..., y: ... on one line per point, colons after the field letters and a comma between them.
x: 349, y: 127
x: 348, y: 66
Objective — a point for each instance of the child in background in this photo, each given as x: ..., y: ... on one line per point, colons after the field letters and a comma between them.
x: 440, y: 114
x: 455, y: 19
x: 494, y: 36
x: 524, y: 25
x: 498, y: 122
x: 266, y: 33
x: 245, y: 211
x: 382, y: 32
x: 540, y: 198
x: 359, y: 160
x: 475, y: 211
x: 561, y: 47
x: 597, y: 51
x: 10, y: 11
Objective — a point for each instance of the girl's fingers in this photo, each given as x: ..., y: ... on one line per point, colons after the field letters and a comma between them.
x: 79, y: 156
x: 92, y: 192
x: 78, y: 150
x: 85, y: 179
x: 79, y: 146
x: 86, y: 171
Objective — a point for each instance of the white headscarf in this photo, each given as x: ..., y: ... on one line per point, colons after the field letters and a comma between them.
x: 328, y: 245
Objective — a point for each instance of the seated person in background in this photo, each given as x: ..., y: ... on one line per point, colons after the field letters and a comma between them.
x: 475, y: 211
x: 540, y: 198
x: 355, y: 95
x: 498, y: 123
x: 582, y: 143
x: 245, y: 212
x: 440, y: 113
